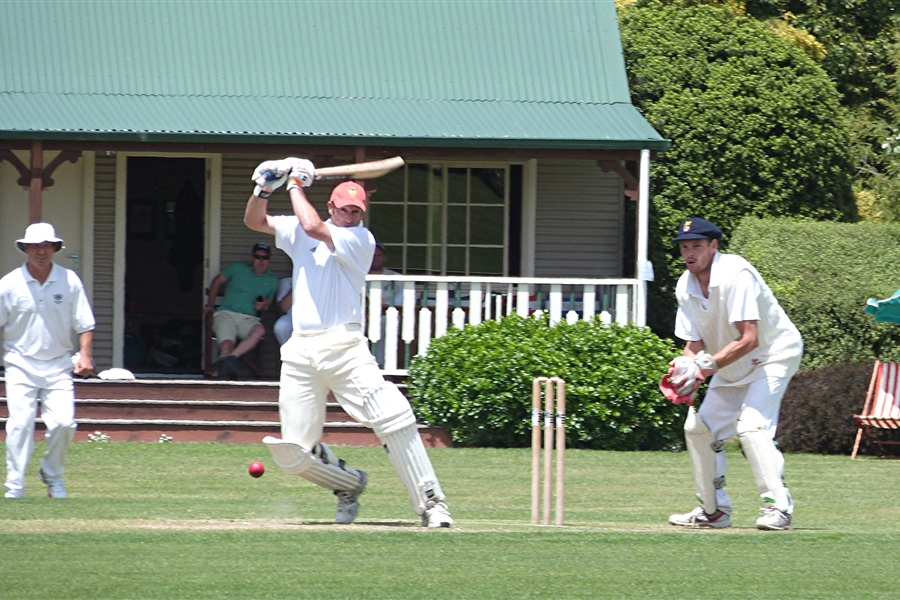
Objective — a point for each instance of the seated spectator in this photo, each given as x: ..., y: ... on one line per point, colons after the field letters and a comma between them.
x: 283, y: 326
x: 391, y: 295
x: 391, y: 291
x: 249, y: 289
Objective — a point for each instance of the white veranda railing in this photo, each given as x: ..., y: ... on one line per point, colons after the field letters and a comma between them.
x: 406, y: 312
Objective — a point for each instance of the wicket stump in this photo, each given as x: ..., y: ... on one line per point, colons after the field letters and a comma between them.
x: 553, y: 391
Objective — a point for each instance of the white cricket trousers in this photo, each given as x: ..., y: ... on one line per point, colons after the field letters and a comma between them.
x: 56, y: 394
x: 336, y: 360
x: 722, y: 407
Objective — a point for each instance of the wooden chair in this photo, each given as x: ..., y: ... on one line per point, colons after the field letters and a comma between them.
x: 253, y: 359
x: 880, y: 416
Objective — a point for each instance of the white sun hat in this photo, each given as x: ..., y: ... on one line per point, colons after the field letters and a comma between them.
x: 38, y: 233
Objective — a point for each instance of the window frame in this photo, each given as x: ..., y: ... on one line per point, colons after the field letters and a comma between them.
x: 440, y: 205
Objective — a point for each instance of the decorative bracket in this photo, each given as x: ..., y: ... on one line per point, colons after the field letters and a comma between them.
x: 631, y: 183
x: 26, y: 175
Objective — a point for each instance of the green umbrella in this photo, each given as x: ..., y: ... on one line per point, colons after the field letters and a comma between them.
x: 885, y: 311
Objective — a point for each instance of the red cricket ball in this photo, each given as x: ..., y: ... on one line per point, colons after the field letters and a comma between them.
x: 256, y: 469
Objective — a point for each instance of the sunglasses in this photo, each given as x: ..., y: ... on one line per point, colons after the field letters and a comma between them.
x: 260, y: 257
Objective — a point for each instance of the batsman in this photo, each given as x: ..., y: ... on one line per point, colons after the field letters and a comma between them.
x: 737, y: 334
x: 327, y: 350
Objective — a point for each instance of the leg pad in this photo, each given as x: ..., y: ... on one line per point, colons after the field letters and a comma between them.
x: 407, y: 453
x: 702, y: 450
x: 321, y: 466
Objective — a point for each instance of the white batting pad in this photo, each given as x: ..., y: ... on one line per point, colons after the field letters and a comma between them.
x: 702, y: 450
x: 410, y: 460
x: 321, y: 466
x: 387, y: 409
x: 765, y: 460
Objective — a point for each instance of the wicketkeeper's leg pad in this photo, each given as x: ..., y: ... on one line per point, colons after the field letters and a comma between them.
x: 702, y: 449
x: 766, y: 461
x: 320, y: 466
x: 387, y: 409
x: 407, y: 453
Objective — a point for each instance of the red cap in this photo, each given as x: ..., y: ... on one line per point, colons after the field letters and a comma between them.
x: 349, y: 193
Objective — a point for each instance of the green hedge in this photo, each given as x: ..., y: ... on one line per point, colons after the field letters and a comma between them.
x: 822, y: 274
x: 818, y: 408
x: 476, y: 383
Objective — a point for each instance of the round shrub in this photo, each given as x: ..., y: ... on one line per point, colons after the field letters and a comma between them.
x: 476, y: 383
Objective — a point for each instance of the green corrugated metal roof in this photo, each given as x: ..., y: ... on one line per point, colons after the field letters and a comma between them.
x: 490, y: 73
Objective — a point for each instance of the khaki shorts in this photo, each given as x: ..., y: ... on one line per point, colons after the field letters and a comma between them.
x: 233, y: 326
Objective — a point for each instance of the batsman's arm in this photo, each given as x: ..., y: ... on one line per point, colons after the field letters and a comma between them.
x: 255, y: 216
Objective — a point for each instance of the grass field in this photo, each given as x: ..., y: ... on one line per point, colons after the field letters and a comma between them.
x: 186, y: 521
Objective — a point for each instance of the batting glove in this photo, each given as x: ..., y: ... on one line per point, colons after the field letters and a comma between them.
x: 303, y: 174
x: 271, y: 175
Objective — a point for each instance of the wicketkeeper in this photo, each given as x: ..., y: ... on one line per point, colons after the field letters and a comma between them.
x: 327, y: 349
x: 737, y: 334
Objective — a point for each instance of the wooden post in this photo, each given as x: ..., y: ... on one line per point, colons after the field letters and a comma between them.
x: 35, y: 186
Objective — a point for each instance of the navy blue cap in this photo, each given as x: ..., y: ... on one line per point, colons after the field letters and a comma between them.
x: 696, y: 228
x: 261, y: 246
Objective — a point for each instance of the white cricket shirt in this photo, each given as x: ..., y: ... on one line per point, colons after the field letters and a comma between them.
x: 737, y: 292
x: 328, y: 286
x: 39, y: 320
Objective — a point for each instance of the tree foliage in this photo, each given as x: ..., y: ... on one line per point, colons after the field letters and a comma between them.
x: 861, y: 39
x: 756, y: 126
x: 877, y: 152
x: 856, y: 34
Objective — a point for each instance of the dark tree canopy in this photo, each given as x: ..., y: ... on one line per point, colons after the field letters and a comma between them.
x: 756, y: 124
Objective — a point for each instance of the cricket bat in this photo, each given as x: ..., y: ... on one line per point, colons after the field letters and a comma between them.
x: 366, y: 170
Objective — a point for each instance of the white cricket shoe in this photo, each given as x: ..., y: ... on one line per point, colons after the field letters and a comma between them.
x: 773, y: 519
x: 10, y: 494
x: 698, y: 518
x: 55, y: 487
x: 437, y: 515
x: 348, y: 502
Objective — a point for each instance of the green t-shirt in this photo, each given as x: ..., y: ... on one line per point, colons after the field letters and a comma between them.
x: 243, y: 286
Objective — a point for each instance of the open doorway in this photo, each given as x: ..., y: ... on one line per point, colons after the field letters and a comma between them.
x: 164, y: 265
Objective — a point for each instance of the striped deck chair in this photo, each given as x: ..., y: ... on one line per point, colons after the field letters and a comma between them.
x: 881, y: 411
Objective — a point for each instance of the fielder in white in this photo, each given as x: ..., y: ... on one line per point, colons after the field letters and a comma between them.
x: 327, y: 349
x: 738, y: 334
x: 41, y: 306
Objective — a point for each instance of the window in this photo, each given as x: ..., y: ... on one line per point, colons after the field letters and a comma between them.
x: 438, y: 219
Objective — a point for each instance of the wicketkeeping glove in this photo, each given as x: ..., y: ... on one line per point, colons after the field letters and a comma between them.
x: 303, y: 174
x: 271, y: 175
x: 687, y: 371
x: 668, y: 390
